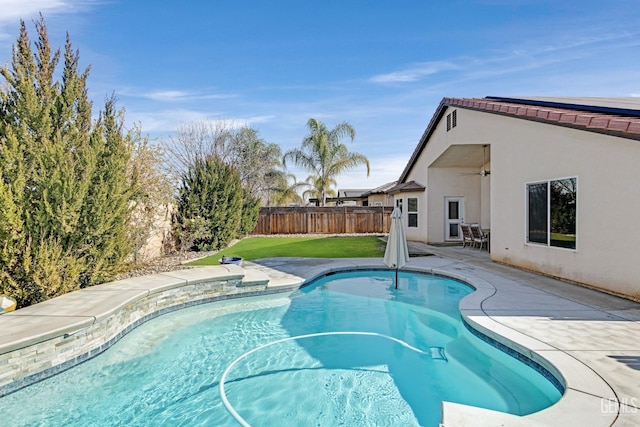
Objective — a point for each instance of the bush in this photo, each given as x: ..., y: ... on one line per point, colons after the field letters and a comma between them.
x: 209, y: 208
x: 250, y: 214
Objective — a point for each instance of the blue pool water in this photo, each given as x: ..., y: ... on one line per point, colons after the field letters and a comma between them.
x: 348, y: 350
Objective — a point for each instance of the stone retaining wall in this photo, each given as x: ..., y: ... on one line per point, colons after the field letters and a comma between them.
x: 80, y: 341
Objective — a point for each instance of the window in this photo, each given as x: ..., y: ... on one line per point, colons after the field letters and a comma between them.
x: 412, y: 209
x: 448, y: 122
x: 551, y: 212
x: 399, y: 204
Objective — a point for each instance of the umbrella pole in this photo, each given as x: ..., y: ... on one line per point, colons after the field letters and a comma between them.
x: 396, y: 277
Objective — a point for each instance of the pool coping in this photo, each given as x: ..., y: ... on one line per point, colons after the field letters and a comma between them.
x: 581, y: 404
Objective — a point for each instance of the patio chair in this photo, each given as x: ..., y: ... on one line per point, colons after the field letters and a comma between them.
x: 478, y: 236
x: 467, y: 238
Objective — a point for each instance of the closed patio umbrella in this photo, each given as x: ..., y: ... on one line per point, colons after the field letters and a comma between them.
x: 396, y: 254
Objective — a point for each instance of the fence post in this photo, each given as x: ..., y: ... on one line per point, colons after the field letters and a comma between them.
x: 345, y: 218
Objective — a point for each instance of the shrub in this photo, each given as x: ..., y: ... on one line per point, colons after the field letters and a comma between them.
x: 209, y: 206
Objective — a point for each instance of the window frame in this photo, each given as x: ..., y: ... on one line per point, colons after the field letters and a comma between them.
x: 399, y: 203
x: 412, y: 213
x: 549, y: 208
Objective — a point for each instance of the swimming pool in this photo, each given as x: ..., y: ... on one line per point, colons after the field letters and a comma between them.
x: 397, y: 355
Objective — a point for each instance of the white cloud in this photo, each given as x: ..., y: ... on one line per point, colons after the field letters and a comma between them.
x: 260, y: 119
x: 415, y: 72
x: 13, y: 10
x: 179, y: 95
x: 165, y: 121
x: 166, y: 95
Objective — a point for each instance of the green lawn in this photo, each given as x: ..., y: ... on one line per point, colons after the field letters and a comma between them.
x: 308, y: 247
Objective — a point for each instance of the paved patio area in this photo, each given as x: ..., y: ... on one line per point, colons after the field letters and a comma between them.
x: 587, y: 337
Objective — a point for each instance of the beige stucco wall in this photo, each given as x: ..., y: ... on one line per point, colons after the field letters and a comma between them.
x: 442, y: 182
x: 383, y: 199
x: 524, y: 151
x: 608, y: 197
x: 157, y: 239
x: 413, y: 233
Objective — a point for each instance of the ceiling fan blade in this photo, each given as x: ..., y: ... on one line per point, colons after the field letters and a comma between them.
x: 483, y: 172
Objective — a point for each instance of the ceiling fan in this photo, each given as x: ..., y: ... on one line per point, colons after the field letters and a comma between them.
x: 483, y: 172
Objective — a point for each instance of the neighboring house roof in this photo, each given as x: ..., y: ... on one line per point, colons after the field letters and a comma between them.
x: 352, y: 193
x: 356, y: 194
x: 383, y: 189
x: 614, y: 116
x: 406, y: 187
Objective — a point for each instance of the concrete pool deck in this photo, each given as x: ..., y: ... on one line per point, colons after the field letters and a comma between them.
x: 588, y: 338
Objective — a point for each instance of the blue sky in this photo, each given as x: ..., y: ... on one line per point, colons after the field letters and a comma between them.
x: 382, y: 66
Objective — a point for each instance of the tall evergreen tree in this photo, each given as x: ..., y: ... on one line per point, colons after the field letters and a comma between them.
x: 209, y: 208
x: 64, y: 191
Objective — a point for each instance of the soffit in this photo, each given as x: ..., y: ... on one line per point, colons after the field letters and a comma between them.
x: 463, y: 156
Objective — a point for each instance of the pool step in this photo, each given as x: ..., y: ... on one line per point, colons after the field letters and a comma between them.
x: 254, y: 278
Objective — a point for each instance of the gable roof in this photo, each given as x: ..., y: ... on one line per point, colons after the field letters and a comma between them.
x: 410, y: 186
x: 352, y: 193
x: 613, y: 116
x: 383, y: 189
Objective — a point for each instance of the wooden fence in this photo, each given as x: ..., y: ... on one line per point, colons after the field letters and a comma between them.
x: 327, y: 220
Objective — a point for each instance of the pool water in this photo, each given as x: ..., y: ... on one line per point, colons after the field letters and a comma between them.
x: 397, y: 355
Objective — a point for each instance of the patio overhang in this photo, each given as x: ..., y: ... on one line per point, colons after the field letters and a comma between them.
x: 463, y: 156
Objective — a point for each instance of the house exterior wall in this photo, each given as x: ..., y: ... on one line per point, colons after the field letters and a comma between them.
x: 607, y: 173
x: 413, y: 233
x: 442, y: 182
x: 450, y: 182
x: 382, y: 199
x: 522, y: 151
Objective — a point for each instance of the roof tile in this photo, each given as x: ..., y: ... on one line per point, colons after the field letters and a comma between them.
x: 583, y: 119
x: 532, y: 112
x: 634, y: 127
x: 619, y: 125
x: 579, y: 118
x: 543, y: 114
x: 599, y: 122
x: 568, y: 118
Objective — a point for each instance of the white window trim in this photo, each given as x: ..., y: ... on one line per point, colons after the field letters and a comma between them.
x: 413, y: 212
x: 526, y: 214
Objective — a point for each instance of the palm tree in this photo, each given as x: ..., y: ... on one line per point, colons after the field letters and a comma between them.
x: 324, y: 155
x: 281, y: 192
x: 315, y: 188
